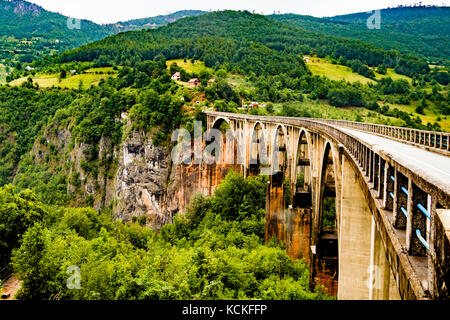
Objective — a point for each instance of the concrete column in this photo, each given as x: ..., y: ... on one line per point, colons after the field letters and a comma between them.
x: 401, y: 201
x: 417, y: 221
x: 381, y: 170
x: 388, y: 201
x: 383, y: 284
x: 354, y: 238
x: 368, y: 155
x: 372, y: 166
x: 376, y: 172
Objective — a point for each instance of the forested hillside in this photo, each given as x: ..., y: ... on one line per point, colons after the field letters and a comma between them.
x: 27, y: 30
x: 421, y: 31
x: 239, y: 35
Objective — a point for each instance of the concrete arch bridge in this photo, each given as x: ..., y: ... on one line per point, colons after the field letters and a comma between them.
x: 367, y: 206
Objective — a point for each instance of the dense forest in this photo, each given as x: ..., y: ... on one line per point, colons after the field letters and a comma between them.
x: 215, y: 250
x: 239, y: 36
x: 420, y: 31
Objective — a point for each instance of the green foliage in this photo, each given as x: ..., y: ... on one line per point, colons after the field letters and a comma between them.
x: 418, y: 30
x: 211, y: 252
x: 23, y: 113
x: 18, y: 212
x: 329, y: 213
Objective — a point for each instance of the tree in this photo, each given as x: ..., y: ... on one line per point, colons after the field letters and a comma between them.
x: 63, y: 74
x: 18, y: 212
x: 269, y: 108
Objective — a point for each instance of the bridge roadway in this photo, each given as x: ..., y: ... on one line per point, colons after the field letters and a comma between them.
x: 431, y: 166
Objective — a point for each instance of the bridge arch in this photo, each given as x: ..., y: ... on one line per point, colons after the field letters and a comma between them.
x: 219, y: 121
x: 302, y: 173
x: 258, y: 149
x: 229, y: 143
x: 325, y: 235
x: 279, y: 154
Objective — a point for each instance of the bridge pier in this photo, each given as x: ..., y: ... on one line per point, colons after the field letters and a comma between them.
x: 364, y: 270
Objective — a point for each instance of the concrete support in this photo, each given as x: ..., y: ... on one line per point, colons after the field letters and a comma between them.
x: 401, y: 203
x: 383, y: 285
x: 389, y: 195
x: 417, y: 222
x: 381, y: 174
x: 354, y: 238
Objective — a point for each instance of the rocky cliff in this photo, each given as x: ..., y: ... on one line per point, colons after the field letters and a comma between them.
x: 135, y: 179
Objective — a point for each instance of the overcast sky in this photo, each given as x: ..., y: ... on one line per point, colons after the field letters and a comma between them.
x: 107, y: 11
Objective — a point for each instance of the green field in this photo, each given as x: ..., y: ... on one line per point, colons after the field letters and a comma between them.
x: 392, y: 74
x: 323, y: 67
x: 90, y: 77
x: 239, y: 82
x: 188, y: 66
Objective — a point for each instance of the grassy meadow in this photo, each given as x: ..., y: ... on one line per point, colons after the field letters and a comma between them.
x: 90, y: 77
x: 323, y: 67
x: 188, y: 66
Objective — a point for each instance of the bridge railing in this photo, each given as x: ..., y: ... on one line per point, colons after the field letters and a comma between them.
x: 430, y: 139
x: 433, y: 140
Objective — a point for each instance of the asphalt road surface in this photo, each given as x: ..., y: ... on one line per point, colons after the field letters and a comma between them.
x: 433, y: 167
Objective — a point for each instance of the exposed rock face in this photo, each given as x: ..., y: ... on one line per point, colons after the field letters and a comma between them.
x: 140, y: 186
x: 141, y: 180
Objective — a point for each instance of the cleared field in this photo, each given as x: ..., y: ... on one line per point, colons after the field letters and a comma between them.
x: 337, y: 72
x: 322, y: 67
x: 188, y: 66
x: 322, y: 109
x: 239, y: 82
x: 393, y: 75
x: 91, y: 77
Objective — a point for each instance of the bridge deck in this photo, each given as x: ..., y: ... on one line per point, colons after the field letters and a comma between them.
x: 431, y: 166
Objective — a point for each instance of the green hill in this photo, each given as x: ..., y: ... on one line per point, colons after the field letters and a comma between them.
x: 422, y: 31
x: 237, y: 38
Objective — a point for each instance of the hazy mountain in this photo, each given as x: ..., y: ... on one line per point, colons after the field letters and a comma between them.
x: 28, y: 31
x: 155, y: 22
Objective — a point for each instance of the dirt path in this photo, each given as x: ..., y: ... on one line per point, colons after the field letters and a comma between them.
x: 10, y: 288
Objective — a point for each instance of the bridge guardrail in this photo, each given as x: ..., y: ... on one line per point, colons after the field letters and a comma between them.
x: 431, y: 139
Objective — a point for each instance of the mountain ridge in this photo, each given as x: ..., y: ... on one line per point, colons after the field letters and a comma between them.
x: 421, y: 31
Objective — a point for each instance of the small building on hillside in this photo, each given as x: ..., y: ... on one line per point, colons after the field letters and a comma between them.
x: 306, y: 59
x: 176, y: 76
x: 211, y: 82
x: 194, y: 83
